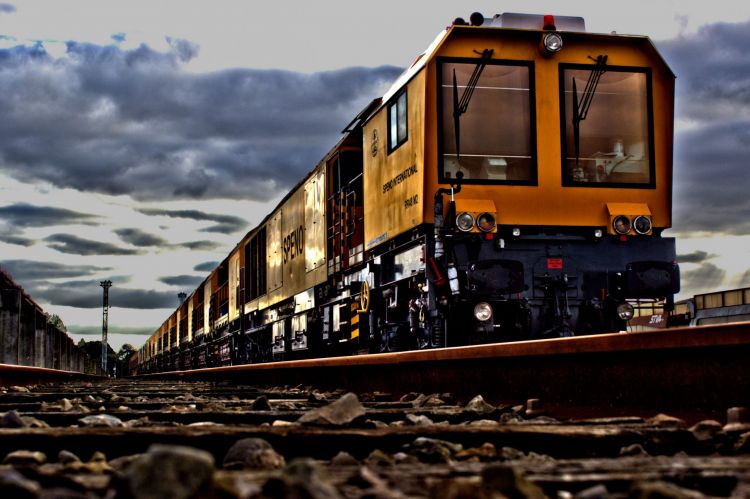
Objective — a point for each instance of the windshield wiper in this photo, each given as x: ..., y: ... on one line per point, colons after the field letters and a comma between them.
x: 581, y: 109
x: 460, y: 106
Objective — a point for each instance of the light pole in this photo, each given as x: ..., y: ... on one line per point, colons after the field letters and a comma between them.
x: 105, y: 316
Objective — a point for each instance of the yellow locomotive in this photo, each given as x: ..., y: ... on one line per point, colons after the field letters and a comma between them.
x: 513, y: 183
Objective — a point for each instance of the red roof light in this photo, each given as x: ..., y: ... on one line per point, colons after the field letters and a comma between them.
x: 549, y: 23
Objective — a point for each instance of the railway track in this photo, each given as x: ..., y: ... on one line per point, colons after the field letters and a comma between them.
x: 628, y: 415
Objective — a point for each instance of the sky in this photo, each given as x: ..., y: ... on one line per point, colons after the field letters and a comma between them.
x: 140, y: 140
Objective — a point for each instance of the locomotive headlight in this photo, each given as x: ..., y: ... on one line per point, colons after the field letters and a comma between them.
x: 621, y: 224
x: 464, y: 221
x: 552, y: 42
x: 486, y: 222
x: 642, y: 225
x: 483, y: 311
x: 625, y: 311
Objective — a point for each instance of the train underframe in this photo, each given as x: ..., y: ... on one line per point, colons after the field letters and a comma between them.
x: 485, y: 288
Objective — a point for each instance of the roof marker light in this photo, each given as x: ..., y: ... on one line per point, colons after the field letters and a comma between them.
x: 549, y: 23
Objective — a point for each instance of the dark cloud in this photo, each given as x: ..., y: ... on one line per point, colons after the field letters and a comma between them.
x: 88, y: 294
x: 706, y: 276
x: 68, y: 243
x: 136, y: 123
x: 189, y: 281
x: 16, y: 239
x: 27, y: 215
x: 200, y: 245
x: 7, y: 8
x: 30, y: 270
x: 206, y: 266
x: 694, y: 257
x: 226, y: 224
x: 111, y: 329
x: 137, y: 237
x: 711, y: 155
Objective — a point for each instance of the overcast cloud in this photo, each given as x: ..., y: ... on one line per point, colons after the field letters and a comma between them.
x: 26, y: 215
x: 225, y: 224
x: 712, y: 153
x: 133, y: 122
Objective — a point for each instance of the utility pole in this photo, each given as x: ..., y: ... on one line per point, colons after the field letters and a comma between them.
x: 105, y: 316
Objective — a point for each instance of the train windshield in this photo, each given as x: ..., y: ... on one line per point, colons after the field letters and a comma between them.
x: 485, y: 115
x: 606, y: 126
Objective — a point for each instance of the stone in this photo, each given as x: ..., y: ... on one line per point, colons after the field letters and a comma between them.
x: 19, y: 389
x: 478, y: 405
x: 14, y: 485
x: 666, y: 420
x: 261, y: 404
x: 344, y: 459
x: 432, y: 401
x: 66, y: 457
x: 380, y: 458
x: 705, y: 430
x: 12, y: 419
x: 300, y: 479
x: 595, y: 492
x: 534, y: 407
x: 342, y: 411
x: 633, y: 450
x: 419, y: 420
x: 485, y: 452
x: 99, y: 420
x: 252, y: 453
x: 430, y: 450
x: 170, y: 471
x: 25, y: 458
x: 738, y: 415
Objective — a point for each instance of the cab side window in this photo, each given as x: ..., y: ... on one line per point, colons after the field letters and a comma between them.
x: 397, y: 123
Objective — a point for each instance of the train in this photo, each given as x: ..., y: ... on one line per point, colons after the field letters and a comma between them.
x: 513, y: 183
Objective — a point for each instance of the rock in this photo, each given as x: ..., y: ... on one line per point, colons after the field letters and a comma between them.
x: 380, y: 458
x: 374, y: 423
x: 486, y: 452
x: 25, y: 458
x: 342, y: 411
x: 344, y: 459
x: 430, y: 450
x: 170, y: 471
x: 419, y: 420
x: 410, y: 397
x: 510, y: 481
x: 66, y: 457
x: 12, y: 419
x: 595, y: 492
x: 666, y: 420
x: 633, y: 450
x: 738, y: 415
x: 431, y: 401
x: 66, y: 405
x: 534, y: 407
x: 261, y: 404
x: 483, y: 422
x: 705, y: 430
x: 14, y: 485
x: 253, y: 453
x: 316, y: 398
x: 661, y: 490
x: 478, y: 405
x: 300, y: 479
x: 30, y: 422
x: 511, y: 454
x: 99, y: 420
x: 281, y: 422
x: 19, y: 389
x: 510, y: 418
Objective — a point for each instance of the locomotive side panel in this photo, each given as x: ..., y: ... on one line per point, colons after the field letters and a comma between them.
x: 394, y: 166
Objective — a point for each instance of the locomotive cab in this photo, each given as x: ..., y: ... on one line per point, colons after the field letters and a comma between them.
x: 554, y: 156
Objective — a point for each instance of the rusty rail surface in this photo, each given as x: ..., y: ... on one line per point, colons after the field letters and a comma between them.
x: 11, y: 375
x: 697, y: 371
